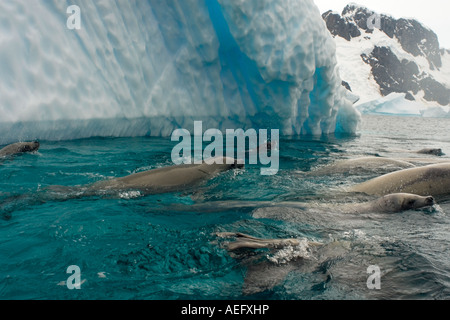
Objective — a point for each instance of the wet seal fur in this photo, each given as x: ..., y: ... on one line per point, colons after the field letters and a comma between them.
x: 431, y: 180
x: 364, y: 164
x: 431, y: 151
x: 393, y: 203
x: 18, y: 148
x: 162, y: 180
x: 245, y: 241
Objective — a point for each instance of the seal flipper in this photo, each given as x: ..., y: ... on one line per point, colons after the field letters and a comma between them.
x: 244, y: 241
x: 260, y: 275
x: 264, y: 272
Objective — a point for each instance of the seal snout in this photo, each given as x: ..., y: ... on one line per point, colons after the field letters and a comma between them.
x: 237, y: 165
x: 32, y: 146
x: 430, y: 200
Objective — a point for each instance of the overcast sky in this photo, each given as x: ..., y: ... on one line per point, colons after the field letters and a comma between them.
x: 435, y: 14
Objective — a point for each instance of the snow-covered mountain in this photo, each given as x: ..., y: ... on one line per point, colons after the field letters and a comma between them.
x: 390, y: 65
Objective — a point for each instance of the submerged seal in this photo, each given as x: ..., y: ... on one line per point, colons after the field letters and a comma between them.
x: 249, y: 242
x: 427, y: 151
x: 428, y: 180
x: 361, y: 165
x: 162, y: 180
x: 19, y: 147
x: 431, y: 151
x: 392, y: 203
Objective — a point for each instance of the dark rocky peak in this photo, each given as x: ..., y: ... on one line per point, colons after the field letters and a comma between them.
x: 413, y: 36
x: 359, y: 15
x: 418, y: 40
x: 339, y: 26
x: 395, y: 75
x: 392, y: 74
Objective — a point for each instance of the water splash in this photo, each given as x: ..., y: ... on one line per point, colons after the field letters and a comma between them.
x: 290, y: 253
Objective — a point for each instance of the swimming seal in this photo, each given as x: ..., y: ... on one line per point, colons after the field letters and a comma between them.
x: 431, y: 151
x: 249, y: 242
x: 393, y: 203
x: 427, y: 180
x: 362, y: 165
x: 162, y: 180
x: 19, y: 147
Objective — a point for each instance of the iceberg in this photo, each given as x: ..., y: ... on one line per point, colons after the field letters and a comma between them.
x: 392, y: 104
x: 146, y: 68
x: 436, y: 112
x: 397, y: 104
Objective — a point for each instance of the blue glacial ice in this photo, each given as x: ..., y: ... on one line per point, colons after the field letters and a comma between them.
x: 149, y: 67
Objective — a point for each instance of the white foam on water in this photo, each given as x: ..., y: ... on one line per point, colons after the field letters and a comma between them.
x: 290, y: 253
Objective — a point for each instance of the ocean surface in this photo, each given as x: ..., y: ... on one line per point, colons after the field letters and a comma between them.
x: 165, y: 246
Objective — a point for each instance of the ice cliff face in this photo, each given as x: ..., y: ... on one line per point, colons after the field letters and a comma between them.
x: 149, y: 67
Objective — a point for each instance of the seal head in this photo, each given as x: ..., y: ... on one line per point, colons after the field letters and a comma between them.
x: 29, y: 147
x: 399, y: 202
x: 19, y: 147
x: 430, y: 151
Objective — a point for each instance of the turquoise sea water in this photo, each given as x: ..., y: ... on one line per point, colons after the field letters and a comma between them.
x: 164, y: 246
